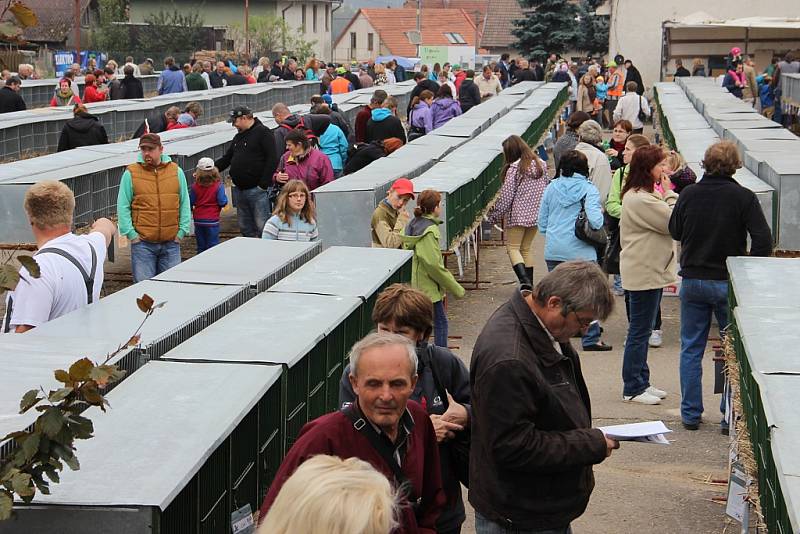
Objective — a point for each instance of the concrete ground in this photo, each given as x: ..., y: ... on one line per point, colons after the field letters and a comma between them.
x: 641, y: 487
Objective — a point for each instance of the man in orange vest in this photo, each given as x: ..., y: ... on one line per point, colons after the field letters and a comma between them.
x: 616, y: 86
x: 340, y: 84
x: 153, y: 209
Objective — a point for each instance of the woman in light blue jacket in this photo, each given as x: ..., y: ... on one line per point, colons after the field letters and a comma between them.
x: 333, y: 144
x: 560, y: 206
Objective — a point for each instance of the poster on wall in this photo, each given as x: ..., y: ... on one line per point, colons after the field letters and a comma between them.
x: 63, y: 60
x: 429, y: 55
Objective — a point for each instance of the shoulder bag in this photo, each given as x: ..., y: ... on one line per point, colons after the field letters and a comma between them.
x: 642, y: 115
x: 587, y: 234
x: 459, y: 446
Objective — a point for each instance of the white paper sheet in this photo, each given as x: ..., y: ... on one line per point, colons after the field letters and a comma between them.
x: 647, y: 432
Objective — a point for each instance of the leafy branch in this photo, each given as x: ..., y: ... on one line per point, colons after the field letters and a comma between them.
x: 44, y: 449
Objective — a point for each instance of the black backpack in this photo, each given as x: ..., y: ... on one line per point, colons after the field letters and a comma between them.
x: 308, y: 132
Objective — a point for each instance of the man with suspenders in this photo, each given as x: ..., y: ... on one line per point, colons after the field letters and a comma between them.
x: 71, y: 266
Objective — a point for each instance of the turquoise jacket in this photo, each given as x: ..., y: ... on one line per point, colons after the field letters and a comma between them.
x: 334, y: 144
x: 428, y: 273
x: 125, y: 197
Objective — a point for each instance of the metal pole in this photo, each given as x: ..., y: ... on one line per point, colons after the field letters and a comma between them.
x: 247, y: 28
x: 419, y: 24
x: 77, y: 24
x: 477, y: 49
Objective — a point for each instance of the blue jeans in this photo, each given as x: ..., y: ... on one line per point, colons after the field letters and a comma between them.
x: 592, y: 336
x: 206, y: 236
x: 439, y: 324
x: 252, y: 210
x: 484, y: 526
x: 643, y: 309
x: 699, y: 299
x: 149, y: 259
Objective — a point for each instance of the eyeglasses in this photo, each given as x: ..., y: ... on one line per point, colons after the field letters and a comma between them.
x: 585, y: 323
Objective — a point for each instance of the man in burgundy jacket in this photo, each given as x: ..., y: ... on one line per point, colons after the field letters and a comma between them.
x: 378, y: 97
x: 383, y: 375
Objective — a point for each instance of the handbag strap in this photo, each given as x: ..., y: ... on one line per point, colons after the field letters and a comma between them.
x: 428, y: 359
x: 382, y: 447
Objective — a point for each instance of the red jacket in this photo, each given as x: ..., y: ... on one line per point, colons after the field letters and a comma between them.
x: 333, y: 434
x: 207, y: 201
x: 91, y: 94
x: 460, y: 77
x: 361, y: 123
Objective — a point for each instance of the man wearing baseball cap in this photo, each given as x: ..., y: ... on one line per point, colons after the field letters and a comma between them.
x: 153, y: 209
x: 340, y: 85
x: 252, y: 158
x: 390, y: 217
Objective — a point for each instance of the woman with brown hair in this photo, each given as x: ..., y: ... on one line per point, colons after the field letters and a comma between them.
x: 524, y: 178
x: 311, y: 70
x: 586, y: 96
x: 647, y: 263
x: 428, y: 273
x: 294, y: 217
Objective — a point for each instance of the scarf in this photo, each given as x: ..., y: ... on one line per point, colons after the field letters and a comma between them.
x: 62, y: 98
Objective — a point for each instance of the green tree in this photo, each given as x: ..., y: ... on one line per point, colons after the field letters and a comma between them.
x: 106, y: 35
x: 549, y: 26
x: 270, y: 35
x: 173, y: 30
x: 593, y: 34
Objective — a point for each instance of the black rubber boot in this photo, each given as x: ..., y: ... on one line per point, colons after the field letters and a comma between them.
x: 529, y: 274
x: 522, y: 276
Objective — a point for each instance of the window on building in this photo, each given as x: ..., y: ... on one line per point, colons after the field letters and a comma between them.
x: 370, y: 42
x: 303, y: 17
x: 353, y: 41
x: 455, y: 38
x: 327, y: 17
x: 314, y: 17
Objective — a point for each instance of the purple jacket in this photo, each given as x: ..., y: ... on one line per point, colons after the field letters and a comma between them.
x: 314, y: 169
x: 421, y: 117
x: 444, y: 109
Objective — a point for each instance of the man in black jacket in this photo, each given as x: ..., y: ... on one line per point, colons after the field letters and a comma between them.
x: 523, y: 73
x: 402, y: 309
x: 383, y: 125
x: 131, y: 86
x: 10, y: 99
x: 712, y: 220
x: 422, y: 83
x: 83, y: 130
x: 469, y: 95
x: 632, y: 74
x: 217, y: 77
x: 533, y: 445
x: 252, y: 159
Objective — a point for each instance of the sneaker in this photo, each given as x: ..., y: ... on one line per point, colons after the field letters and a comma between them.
x: 660, y: 393
x: 655, y: 340
x: 618, y: 292
x: 642, y: 398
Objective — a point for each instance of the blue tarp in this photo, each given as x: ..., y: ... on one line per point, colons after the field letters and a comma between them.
x: 405, y: 62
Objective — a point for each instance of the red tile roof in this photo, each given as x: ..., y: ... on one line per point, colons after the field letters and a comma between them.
x: 391, y: 25
x: 495, y: 28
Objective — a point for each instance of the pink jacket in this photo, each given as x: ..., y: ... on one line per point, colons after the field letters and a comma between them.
x: 314, y: 168
x: 521, y: 195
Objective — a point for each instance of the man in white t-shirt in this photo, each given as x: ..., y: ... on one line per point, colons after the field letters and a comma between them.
x: 71, y: 266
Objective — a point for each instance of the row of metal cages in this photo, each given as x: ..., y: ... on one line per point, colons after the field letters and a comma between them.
x: 790, y: 86
x: 689, y: 132
x: 469, y: 178
x: 762, y: 297
x: 25, y: 134
x: 222, y: 402
x: 469, y: 143
x: 39, y: 93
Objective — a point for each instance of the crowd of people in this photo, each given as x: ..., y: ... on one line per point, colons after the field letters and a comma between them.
x: 415, y: 424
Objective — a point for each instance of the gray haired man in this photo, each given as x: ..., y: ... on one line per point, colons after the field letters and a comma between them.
x: 533, y: 445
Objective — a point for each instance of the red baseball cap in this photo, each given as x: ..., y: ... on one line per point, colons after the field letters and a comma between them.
x: 403, y: 186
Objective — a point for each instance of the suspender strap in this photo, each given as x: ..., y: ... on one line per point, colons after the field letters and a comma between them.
x: 88, y: 279
x: 385, y: 450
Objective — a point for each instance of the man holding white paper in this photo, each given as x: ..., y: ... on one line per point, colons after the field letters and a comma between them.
x: 533, y: 445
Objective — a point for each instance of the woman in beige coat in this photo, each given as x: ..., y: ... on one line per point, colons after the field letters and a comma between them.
x: 586, y: 95
x: 647, y: 263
